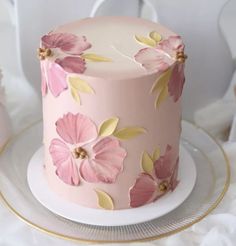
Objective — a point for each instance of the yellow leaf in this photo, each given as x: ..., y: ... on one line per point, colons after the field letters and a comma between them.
x: 104, y: 200
x: 95, y: 58
x: 147, y: 163
x: 129, y: 132
x: 146, y: 41
x: 162, y: 96
x: 80, y: 85
x: 108, y: 127
x: 155, y: 36
x: 161, y: 81
x: 75, y: 95
x: 156, y: 154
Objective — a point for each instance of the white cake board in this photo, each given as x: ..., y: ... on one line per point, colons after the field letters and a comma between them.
x: 40, y: 189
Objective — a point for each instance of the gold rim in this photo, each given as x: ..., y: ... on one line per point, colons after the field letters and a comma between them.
x: 62, y: 236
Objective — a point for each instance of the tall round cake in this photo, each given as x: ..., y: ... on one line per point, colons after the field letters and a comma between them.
x: 111, y: 90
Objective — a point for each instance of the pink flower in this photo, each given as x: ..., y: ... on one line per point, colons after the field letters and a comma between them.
x: 148, y: 188
x: 69, y: 44
x: 78, y: 155
x: 160, y: 58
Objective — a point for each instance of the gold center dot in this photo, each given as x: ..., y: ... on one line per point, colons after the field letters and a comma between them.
x: 44, y: 53
x: 163, y: 186
x: 181, y: 57
x: 80, y: 153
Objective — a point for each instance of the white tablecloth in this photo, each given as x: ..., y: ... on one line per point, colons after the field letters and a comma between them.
x: 218, y: 229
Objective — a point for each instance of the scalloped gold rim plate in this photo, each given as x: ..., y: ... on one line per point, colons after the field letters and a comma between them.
x: 75, y: 239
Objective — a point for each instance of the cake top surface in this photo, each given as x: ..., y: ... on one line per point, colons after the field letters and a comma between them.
x: 112, y: 47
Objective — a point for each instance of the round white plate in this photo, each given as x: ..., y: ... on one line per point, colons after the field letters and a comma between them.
x: 40, y: 189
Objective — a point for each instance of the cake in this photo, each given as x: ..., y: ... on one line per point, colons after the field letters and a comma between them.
x: 111, y: 89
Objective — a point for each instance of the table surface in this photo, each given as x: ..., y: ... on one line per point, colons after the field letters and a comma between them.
x: 219, y: 228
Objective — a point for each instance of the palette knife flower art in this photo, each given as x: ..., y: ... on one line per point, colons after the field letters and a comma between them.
x: 83, y: 152
x: 157, y: 181
x: 159, y: 58
x: 60, y: 55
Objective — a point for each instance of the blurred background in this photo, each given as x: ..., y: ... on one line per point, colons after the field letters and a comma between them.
x: 208, y: 28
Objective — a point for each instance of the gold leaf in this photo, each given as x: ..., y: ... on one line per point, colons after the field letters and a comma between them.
x: 129, y: 132
x: 104, y: 200
x: 162, y: 96
x: 146, y: 41
x: 147, y: 162
x: 95, y: 58
x: 155, y: 36
x: 108, y: 127
x: 75, y: 95
x: 156, y: 154
x: 161, y: 81
x: 80, y: 85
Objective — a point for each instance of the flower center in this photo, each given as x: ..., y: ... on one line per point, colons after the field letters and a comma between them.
x: 80, y: 153
x: 44, y: 53
x: 181, y: 57
x: 163, y: 186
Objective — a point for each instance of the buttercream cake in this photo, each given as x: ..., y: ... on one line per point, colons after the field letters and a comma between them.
x: 111, y: 89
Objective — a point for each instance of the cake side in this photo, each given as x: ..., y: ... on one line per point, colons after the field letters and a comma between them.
x: 111, y: 140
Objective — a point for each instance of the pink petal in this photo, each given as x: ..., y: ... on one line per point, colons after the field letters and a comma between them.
x: 76, y: 129
x: 87, y: 171
x: 44, y: 87
x: 152, y: 59
x: 72, y: 64
x: 171, y: 45
x: 68, y: 43
x: 142, y: 191
x: 80, y: 45
x: 176, y: 43
x: 173, y: 181
x: 107, y: 162
x: 176, y: 82
x: 66, y: 167
x: 52, y: 40
x: 163, y: 166
x: 56, y: 79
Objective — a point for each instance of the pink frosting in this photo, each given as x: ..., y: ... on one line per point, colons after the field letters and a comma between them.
x: 121, y: 89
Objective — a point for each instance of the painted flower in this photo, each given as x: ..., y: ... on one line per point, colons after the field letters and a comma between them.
x: 54, y: 72
x: 82, y: 155
x: 148, y: 188
x: 160, y: 58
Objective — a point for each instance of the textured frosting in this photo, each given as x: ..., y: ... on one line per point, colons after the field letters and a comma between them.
x: 114, y: 38
x: 112, y: 110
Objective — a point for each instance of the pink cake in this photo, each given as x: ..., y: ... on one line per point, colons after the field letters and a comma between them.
x: 111, y: 90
